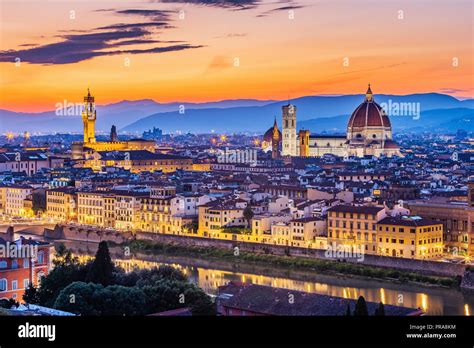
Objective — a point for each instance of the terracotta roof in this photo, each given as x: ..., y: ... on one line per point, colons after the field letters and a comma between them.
x: 369, y: 114
x: 274, y: 301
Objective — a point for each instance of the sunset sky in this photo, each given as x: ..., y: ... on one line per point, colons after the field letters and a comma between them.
x: 230, y: 49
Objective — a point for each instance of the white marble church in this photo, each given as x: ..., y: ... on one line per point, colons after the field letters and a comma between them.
x: 369, y: 133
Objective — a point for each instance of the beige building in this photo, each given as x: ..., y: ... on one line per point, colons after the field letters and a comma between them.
x: 14, y: 197
x: 138, y: 161
x: 216, y: 217
x: 126, y: 210
x: 262, y: 224
x: 410, y: 237
x: 61, y: 204
x: 91, y: 208
x: 354, y: 227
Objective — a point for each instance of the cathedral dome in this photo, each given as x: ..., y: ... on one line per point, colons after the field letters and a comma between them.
x: 268, y: 136
x: 369, y: 114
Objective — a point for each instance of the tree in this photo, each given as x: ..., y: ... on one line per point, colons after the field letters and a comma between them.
x: 64, y: 256
x: 348, y: 310
x: 101, y: 270
x: 248, y: 214
x: 361, y: 308
x: 31, y: 295
x: 78, y: 298
x: 380, y: 310
x: 57, y: 279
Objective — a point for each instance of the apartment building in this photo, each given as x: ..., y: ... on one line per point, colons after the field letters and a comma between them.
x: 91, y: 208
x: 30, y: 262
x: 14, y: 198
x: 354, y: 227
x: 61, y: 204
x: 410, y: 237
x: 216, y: 216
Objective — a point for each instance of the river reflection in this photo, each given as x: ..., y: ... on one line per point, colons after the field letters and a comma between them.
x: 210, y: 279
x: 434, y: 301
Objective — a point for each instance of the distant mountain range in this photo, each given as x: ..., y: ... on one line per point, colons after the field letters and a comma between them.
x: 317, y: 113
x: 308, y: 108
x: 436, y: 120
x: 119, y: 114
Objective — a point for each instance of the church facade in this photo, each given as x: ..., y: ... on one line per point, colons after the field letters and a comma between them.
x: 369, y: 133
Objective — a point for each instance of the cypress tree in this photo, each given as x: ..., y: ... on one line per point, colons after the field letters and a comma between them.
x: 101, y: 269
x: 380, y: 310
x: 348, y: 310
x: 361, y: 308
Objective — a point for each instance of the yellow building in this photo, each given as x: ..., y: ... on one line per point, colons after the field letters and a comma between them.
x: 91, y: 208
x: 139, y: 161
x: 156, y: 215
x: 61, y: 204
x: 354, y: 227
x: 410, y: 237
x: 215, y: 217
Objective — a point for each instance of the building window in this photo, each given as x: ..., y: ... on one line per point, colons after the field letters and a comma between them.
x: 14, y: 284
x: 40, y: 257
x: 3, y: 285
x: 3, y: 264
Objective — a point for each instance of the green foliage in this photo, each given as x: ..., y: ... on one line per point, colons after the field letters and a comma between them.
x: 380, y: 310
x: 361, y: 308
x: 78, y: 288
x: 95, y: 299
x: 348, y: 310
x: 78, y: 298
x: 57, y: 279
x: 248, y: 214
x: 7, y: 304
x: 31, y: 295
x: 101, y: 270
x: 165, y: 295
x: 64, y: 256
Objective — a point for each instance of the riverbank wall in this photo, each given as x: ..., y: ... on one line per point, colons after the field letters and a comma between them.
x: 81, y: 233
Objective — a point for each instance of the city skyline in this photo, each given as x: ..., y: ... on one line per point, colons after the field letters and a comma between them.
x: 229, y: 50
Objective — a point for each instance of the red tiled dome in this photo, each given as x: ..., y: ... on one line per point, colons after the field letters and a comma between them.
x: 369, y: 114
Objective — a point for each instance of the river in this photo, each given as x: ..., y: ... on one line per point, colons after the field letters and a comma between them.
x: 209, y: 275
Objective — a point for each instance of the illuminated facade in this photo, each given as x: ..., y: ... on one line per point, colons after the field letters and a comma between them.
x: 410, y: 237
x: 369, y: 133
x: 354, y: 227
x: 61, y: 204
x: 89, y: 145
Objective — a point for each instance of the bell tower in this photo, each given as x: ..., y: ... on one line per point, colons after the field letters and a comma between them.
x: 289, y: 130
x: 275, y: 140
x: 88, y: 118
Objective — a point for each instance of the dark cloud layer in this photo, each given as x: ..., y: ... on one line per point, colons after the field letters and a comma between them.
x: 108, y: 40
x: 79, y: 47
